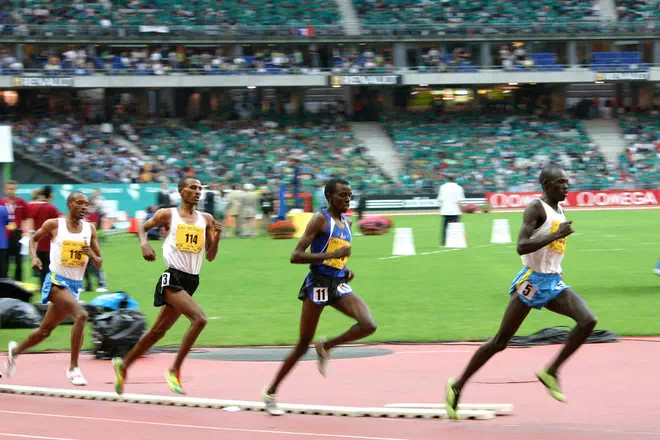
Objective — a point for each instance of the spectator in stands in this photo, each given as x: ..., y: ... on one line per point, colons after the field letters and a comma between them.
x: 450, y: 197
x: 17, y: 211
x: 37, y: 213
x: 4, y: 242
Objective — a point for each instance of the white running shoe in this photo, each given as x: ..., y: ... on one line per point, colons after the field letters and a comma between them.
x: 323, y: 357
x: 76, y: 378
x: 271, y: 403
x: 10, y: 363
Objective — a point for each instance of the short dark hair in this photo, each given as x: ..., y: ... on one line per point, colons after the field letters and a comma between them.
x: 331, y: 186
x: 184, y: 180
x: 547, y: 172
x: 47, y: 191
x: 75, y: 194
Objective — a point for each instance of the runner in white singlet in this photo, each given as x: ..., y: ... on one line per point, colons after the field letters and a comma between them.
x: 189, y: 234
x: 73, y: 245
x: 542, y: 245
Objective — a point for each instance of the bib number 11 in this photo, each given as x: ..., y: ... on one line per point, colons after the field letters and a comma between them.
x: 320, y: 294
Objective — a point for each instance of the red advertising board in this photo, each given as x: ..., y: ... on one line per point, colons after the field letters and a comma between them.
x: 580, y: 199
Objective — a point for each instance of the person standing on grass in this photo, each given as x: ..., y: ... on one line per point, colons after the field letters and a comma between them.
x: 329, y: 235
x: 542, y: 245
x: 73, y: 244
x: 450, y: 197
x: 38, y: 213
x: 17, y: 209
x: 4, y: 242
x: 189, y: 232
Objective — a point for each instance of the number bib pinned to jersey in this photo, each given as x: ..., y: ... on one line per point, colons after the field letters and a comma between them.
x: 559, y: 245
x: 72, y: 254
x: 189, y: 238
x: 333, y: 245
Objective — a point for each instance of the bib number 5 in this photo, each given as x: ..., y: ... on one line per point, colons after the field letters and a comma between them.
x: 527, y: 290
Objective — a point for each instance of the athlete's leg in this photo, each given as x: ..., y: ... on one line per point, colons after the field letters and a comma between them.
x: 167, y: 316
x: 66, y: 302
x: 514, y: 315
x: 183, y: 303
x: 354, y: 307
x: 309, y: 319
x: 53, y: 317
x: 569, y: 303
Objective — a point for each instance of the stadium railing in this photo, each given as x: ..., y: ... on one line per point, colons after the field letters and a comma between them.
x: 551, y: 29
x: 295, y: 31
x: 466, y: 68
x: 150, y: 31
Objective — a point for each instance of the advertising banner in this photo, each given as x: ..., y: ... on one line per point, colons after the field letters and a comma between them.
x: 580, y: 199
x: 42, y: 82
x: 116, y: 197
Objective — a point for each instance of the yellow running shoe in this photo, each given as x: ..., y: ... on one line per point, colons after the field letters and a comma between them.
x: 451, y: 399
x: 120, y: 375
x: 552, y: 384
x: 174, y: 381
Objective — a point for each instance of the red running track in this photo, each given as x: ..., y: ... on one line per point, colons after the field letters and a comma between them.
x: 612, y: 391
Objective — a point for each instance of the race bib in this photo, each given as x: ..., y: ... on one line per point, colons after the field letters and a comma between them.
x: 333, y: 245
x: 189, y: 238
x: 526, y: 290
x: 559, y: 245
x: 72, y: 254
x: 320, y: 294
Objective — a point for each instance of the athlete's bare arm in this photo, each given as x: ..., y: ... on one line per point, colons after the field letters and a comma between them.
x: 533, y: 218
x: 49, y: 228
x: 162, y: 217
x: 213, y: 231
x: 93, y: 250
x: 316, y: 226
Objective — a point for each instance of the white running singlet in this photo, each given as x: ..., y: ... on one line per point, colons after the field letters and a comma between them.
x: 185, y: 243
x: 548, y: 259
x: 66, y: 256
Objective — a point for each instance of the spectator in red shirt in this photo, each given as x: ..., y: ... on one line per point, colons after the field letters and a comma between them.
x: 38, y: 213
x: 17, y: 210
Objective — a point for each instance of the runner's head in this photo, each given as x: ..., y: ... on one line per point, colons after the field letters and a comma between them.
x: 78, y: 205
x: 554, y: 181
x: 190, y: 190
x: 338, y: 192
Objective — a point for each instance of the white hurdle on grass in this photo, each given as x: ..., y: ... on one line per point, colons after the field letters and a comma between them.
x: 194, y: 402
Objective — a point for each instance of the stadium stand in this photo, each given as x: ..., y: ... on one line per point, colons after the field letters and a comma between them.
x: 80, y: 149
x: 494, y: 153
x: 637, y: 10
x: 214, y: 151
x: 640, y: 163
x: 618, y: 61
x: 174, y: 12
x: 479, y: 11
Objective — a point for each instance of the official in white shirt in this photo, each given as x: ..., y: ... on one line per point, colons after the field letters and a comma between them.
x: 450, y: 197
